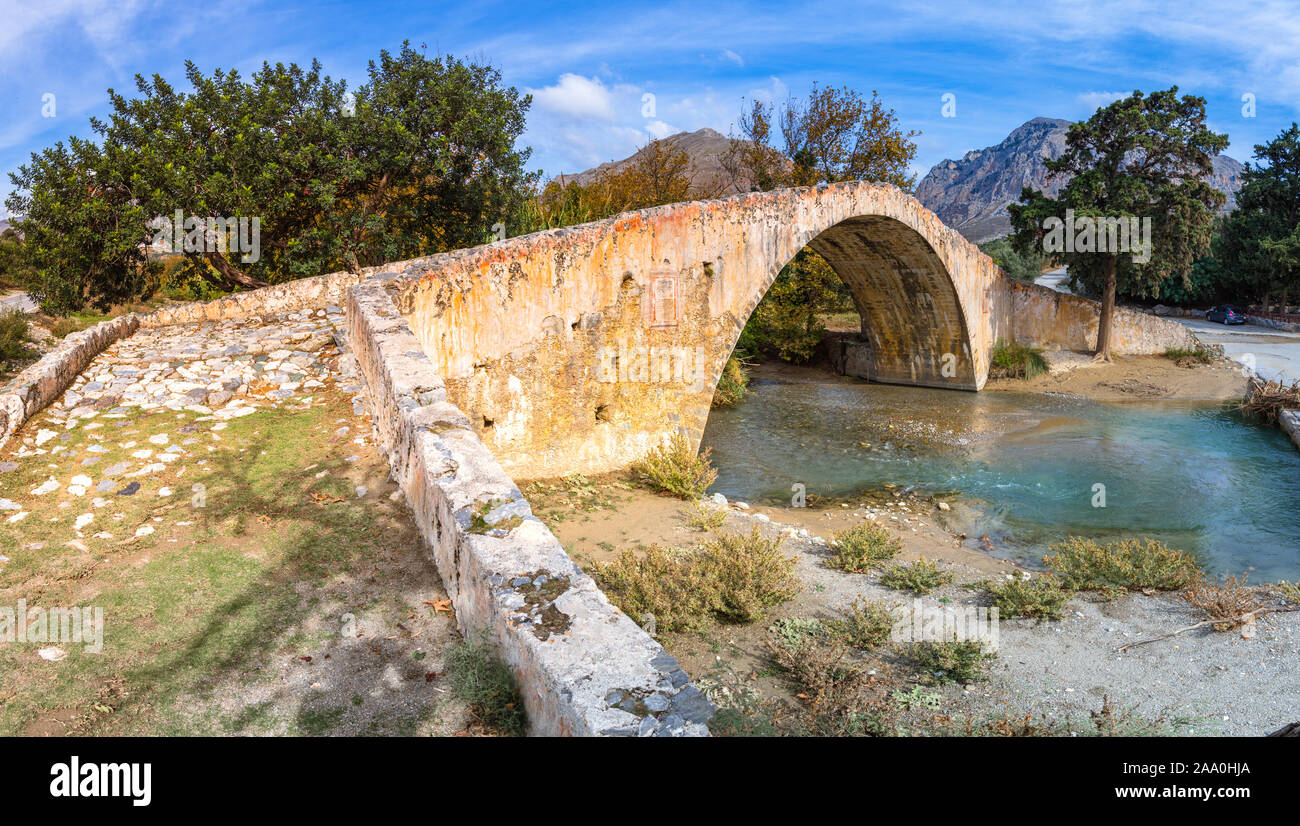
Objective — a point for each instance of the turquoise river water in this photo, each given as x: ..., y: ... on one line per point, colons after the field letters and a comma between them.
x: 1022, y: 469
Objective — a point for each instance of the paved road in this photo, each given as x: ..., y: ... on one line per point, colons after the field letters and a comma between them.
x: 17, y: 301
x: 1055, y: 279
x: 1275, y: 354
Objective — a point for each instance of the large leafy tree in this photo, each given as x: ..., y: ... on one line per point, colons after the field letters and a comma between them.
x: 1140, y: 157
x: 419, y: 159
x: 832, y: 135
x: 1260, y: 241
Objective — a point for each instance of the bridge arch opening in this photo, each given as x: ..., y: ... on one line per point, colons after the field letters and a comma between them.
x: 912, y: 327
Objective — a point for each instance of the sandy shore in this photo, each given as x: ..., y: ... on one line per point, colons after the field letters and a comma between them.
x: 1131, y: 378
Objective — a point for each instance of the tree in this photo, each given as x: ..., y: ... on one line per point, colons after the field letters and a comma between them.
x: 1022, y: 266
x: 420, y: 159
x: 659, y: 173
x: 1137, y: 199
x: 834, y: 135
x: 1261, y: 239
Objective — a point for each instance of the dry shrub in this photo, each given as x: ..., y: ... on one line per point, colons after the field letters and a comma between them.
x: 1267, y: 399
x: 1228, y: 601
x: 840, y: 698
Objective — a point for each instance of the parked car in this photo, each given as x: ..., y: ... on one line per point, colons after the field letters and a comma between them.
x: 1226, y: 314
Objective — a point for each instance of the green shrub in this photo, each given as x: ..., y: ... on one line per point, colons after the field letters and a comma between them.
x: 668, y: 583
x: 705, y: 516
x: 921, y: 577
x: 1129, y: 564
x: 952, y: 661
x: 487, y: 686
x: 795, y: 632
x: 1041, y: 597
x: 1019, y: 265
x: 1016, y: 361
x: 866, y: 624
x: 676, y: 469
x: 1289, y: 591
x: 751, y: 574
x: 1189, y: 357
x: 731, y: 577
x: 863, y: 545
x: 13, y: 336
x: 733, y: 384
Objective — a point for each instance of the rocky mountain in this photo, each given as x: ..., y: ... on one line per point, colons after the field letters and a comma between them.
x: 971, y: 195
x: 705, y: 148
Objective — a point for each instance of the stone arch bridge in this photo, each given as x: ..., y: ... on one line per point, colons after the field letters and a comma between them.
x: 579, y: 349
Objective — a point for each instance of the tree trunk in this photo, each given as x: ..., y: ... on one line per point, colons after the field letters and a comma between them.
x: 1107, y: 313
x: 233, y: 276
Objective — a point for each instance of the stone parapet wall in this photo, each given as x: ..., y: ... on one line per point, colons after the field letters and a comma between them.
x: 584, y: 668
x: 1042, y: 316
x: 43, y: 382
x: 30, y: 391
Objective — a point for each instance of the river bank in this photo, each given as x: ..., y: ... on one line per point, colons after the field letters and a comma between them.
x: 819, y: 429
x: 1200, y: 683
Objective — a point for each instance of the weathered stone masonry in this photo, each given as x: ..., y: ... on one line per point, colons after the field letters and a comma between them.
x: 516, y: 328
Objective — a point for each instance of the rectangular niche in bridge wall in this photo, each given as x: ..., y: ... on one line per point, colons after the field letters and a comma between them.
x: 664, y: 299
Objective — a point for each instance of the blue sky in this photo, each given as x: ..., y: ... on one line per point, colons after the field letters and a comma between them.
x: 589, y: 67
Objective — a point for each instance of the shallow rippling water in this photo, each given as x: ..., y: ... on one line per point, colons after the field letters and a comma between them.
x: 1024, y: 466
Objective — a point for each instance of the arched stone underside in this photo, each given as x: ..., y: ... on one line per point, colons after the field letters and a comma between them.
x: 911, y: 314
x: 580, y: 349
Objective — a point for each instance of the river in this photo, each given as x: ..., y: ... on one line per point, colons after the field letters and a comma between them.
x: 1023, y: 469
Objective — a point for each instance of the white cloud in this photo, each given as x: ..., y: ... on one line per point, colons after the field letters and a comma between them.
x: 728, y: 54
x: 657, y: 129
x: 1096, y: 100
x: 578, y: 97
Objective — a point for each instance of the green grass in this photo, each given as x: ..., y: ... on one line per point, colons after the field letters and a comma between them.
x: 237, y: 591
x: 863, y: 545
x: 1016, y: 361
x: 920, y: 577
x: 1126, y: 565
x: 488, y: 686
x: 1197, y: 355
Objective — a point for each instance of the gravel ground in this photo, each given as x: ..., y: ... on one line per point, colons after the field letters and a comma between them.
x: 1217, y: 681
